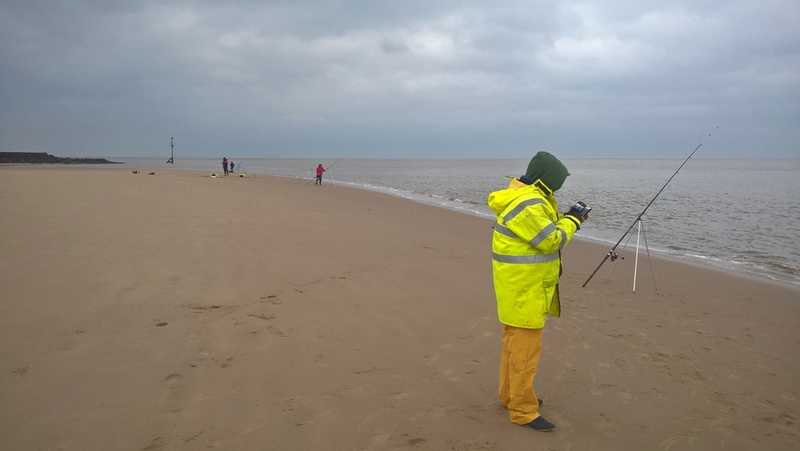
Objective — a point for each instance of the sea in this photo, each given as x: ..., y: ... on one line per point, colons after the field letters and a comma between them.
x: 736, y: 214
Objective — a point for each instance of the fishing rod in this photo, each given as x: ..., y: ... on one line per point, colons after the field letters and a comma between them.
x: 334, y: 164
x: 612, y: 254
x: 329, y: 168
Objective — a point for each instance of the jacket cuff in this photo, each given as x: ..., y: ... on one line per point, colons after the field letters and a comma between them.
x: 574, y: 220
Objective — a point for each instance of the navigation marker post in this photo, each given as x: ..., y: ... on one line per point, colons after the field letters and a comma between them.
x: 171, y: 152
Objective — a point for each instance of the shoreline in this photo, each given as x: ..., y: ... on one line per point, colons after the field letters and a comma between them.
x: 748, y: 270
x: 699, y: 262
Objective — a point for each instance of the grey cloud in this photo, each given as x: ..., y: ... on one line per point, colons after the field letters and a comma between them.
x: 295, y: 78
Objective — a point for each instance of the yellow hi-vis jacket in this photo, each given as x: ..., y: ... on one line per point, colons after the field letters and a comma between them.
x: 526, y: 253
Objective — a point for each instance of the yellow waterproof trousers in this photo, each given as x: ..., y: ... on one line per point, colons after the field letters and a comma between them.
x: 521, y: 351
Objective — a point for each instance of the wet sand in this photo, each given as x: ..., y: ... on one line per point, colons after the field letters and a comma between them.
x: 180, y: 311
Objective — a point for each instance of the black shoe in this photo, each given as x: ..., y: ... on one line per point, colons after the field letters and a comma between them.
x: 540, y: 424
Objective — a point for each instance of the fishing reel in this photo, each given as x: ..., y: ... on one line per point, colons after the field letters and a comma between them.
x: 614, y: 256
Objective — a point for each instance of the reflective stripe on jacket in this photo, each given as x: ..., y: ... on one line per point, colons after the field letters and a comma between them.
x: 526, y: 254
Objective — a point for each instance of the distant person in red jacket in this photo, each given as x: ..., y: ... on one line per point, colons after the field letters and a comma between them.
x: 320, y: 170
x: 225, y: 165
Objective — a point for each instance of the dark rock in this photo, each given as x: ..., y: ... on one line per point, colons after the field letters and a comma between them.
x: 45, y: 158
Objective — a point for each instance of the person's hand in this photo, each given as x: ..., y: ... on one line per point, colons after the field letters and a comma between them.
x: 580, y: 212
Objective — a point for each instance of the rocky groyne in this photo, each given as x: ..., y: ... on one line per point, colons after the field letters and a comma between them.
x: 46, y: 158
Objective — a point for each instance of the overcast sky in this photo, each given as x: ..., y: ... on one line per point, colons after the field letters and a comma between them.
x: 444, y: 79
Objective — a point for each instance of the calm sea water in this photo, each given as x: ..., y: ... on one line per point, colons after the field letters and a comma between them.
x: 737, y: 214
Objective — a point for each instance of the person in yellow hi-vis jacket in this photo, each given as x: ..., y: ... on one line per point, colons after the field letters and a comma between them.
x: 526, y: 264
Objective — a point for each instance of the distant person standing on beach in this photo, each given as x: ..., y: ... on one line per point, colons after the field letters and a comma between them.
x: 526, y: 264
x: 225, y: 165
x: 231, y: 166
x: 320, y: 170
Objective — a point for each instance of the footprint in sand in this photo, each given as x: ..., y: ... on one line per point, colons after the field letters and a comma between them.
x: 22, y: 371
x: 203, y: 308
x: 273, y: 299
x: 157, y: 443
x: 262, y: 317
x: 433, y: 357
x: 380, y: 439
x: 173, y: 379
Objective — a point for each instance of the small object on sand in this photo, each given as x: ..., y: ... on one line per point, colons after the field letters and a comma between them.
x: 241, y: 175
x: 152, y: 173
x: 213, y: 175
x: 135, y: 171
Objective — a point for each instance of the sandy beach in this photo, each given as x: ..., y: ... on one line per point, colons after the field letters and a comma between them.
x: 177, y: 311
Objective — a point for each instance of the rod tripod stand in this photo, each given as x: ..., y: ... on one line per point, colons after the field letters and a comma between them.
x: 614, y: 255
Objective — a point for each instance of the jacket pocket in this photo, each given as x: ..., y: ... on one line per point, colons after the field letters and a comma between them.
x: 552, y: 303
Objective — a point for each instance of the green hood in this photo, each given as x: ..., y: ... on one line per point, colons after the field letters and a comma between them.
x: 545, y: 167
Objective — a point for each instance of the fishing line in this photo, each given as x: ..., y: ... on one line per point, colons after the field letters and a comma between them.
x: 334, y: 164
x: 612, y: 254
x: 329, y: 168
